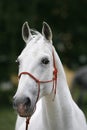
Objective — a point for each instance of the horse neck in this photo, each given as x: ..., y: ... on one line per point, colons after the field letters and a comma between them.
x: 51, y: 112
x: 62, y: 103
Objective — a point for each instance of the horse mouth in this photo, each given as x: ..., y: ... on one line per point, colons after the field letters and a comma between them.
x: 24, y: 111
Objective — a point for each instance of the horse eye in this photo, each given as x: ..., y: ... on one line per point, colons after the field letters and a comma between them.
x: 45, y: 61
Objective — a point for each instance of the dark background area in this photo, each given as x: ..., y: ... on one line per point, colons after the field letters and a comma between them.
x: 67, y: 18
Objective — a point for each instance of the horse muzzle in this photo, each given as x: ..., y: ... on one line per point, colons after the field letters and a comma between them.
x: 23, y: 106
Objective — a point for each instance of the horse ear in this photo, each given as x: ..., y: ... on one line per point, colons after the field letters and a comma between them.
x: 46, y: 31
x: 26, y: 34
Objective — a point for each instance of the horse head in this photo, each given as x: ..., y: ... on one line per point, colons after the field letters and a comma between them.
x: 36, y: 69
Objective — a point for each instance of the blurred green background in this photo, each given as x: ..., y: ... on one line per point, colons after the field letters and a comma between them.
x: 68, y: 21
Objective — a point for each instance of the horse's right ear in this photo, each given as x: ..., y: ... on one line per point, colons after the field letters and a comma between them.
x: 26, y: 34
x: 46, y: 31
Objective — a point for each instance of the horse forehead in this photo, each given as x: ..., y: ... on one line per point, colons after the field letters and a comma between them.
x: 35, y: 50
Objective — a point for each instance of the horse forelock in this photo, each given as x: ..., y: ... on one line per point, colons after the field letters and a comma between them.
x: 35, y: 35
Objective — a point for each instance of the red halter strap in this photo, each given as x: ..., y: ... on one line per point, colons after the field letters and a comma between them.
x: 54, y: 80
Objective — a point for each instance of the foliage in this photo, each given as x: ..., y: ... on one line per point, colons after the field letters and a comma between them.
x: 67, y: 19
x: 6, y: 97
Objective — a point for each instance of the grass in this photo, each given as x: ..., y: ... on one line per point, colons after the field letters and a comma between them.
x: 7, y: 118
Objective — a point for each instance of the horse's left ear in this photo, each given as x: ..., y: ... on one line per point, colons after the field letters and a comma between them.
x: 46, y: 31
x: 26, y: 34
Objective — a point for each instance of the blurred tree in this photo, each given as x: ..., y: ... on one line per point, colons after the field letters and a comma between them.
x: 67, y: 19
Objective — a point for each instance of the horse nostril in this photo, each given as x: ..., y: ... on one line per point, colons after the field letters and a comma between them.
x: 27, y: 102
x: 23, y: 101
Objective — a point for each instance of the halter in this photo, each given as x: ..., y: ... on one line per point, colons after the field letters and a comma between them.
x: 54, y: 80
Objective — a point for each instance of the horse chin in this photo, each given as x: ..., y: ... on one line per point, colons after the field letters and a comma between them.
x: 25, y: 115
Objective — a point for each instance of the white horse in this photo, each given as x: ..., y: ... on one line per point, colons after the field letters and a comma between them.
x: 43, y: 94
